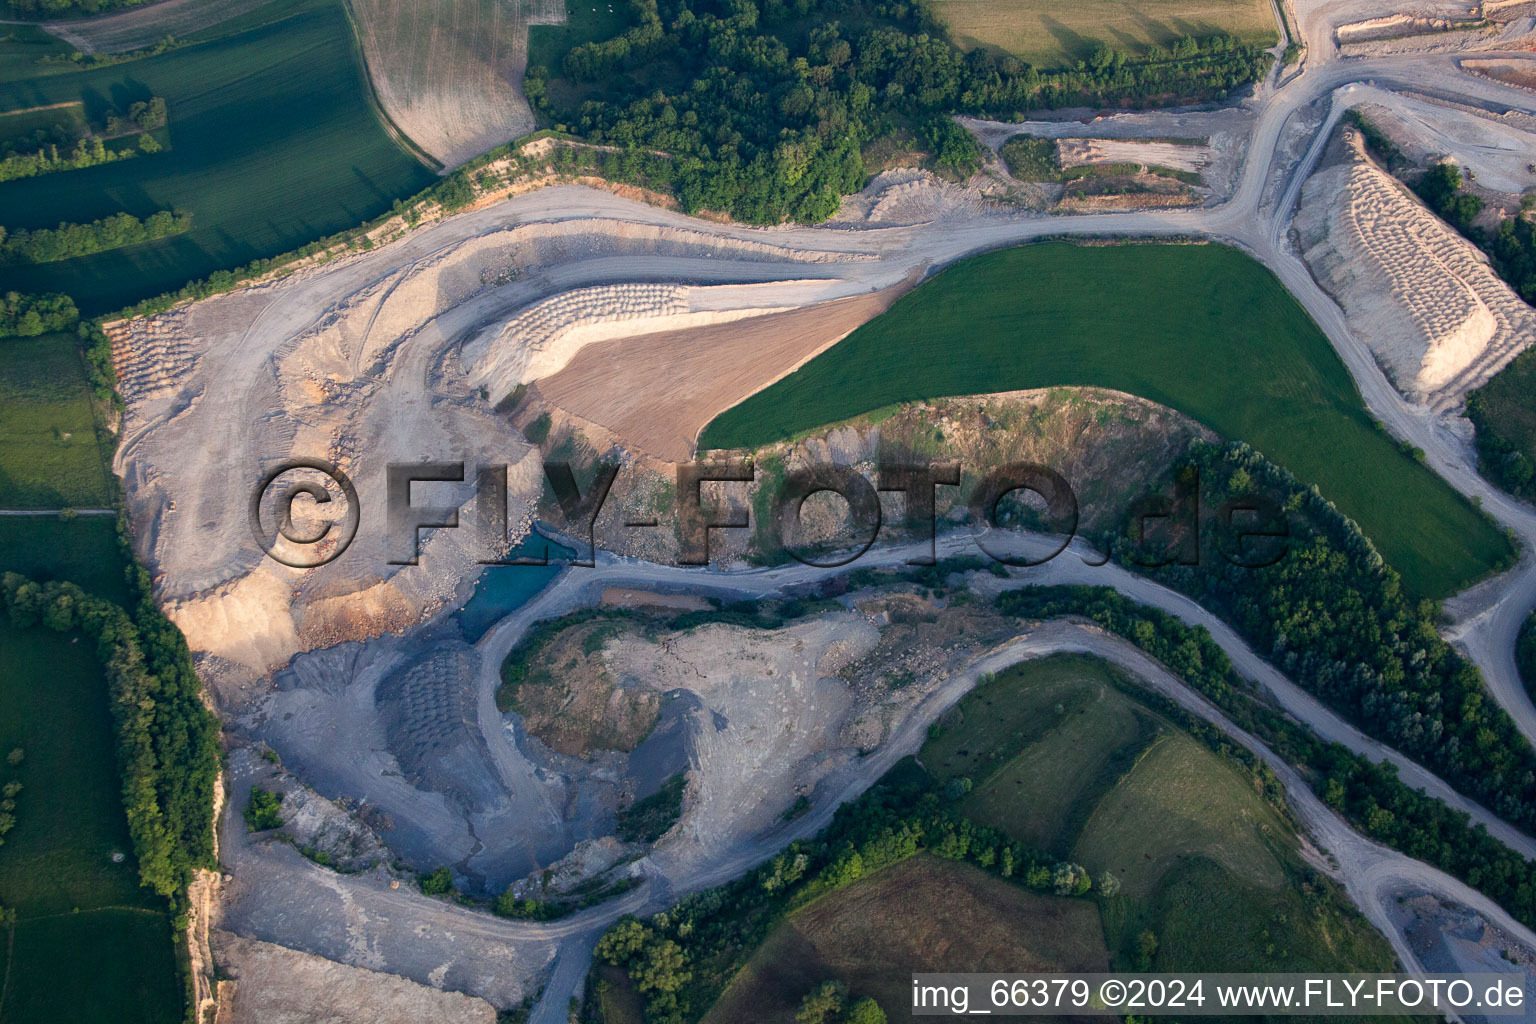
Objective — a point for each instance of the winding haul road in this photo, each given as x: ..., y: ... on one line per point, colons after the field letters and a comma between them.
x: 1485, y: 623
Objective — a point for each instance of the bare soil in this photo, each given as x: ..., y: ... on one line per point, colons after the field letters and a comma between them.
x: 703, y: 371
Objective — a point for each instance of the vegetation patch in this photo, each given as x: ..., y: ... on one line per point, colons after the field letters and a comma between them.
x: 558, y: 682
x: 767, y: 108
x: 276, y: 145
x: 647, y: 820
x: 1032, y: 158
x: 264, y: 810
x: 1503, y: 412
x: 924, y: 914
x: 49, y: 453
x: 1134, y: 318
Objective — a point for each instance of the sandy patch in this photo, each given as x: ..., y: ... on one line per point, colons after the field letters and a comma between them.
x: 275, y: 985
x: 1078, y: 152
x: 701, y: 371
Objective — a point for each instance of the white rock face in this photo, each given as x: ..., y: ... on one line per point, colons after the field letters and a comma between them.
x: 543, y: 338
x: 1436, y: 315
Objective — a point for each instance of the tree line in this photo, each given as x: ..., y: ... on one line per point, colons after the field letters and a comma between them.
x: 27, y: 316
x: 87, y: 153
x: 773, y: 101
x: 48, y: 245
x: 167, y: 740
x: 1525, y: 654
x: 1334, y: 617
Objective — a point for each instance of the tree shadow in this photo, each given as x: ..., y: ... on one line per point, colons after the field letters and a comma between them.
x: 1159, y: 33
x: 1125, y: 41
x: 1076, y: 46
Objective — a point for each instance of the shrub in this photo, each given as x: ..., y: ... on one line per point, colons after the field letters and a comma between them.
x: 648, y: 820
x: 437, y: 883
x: 264, y: 810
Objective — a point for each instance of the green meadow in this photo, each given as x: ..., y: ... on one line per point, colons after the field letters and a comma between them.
x: 1203, y: 329
x: 89, y: 943
x: 274, y: 142
x: 50, y: 457
x: 1204, y: 862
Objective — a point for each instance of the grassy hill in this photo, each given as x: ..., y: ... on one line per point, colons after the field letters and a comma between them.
x: 1200, y: 328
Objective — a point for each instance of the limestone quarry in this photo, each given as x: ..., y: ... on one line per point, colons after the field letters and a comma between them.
x: 219, y: 393
x: 575, y: 322
x: 1435, y: 314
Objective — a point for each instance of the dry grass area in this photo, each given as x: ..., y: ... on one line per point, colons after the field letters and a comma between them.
x: 1178, y: 804
x: 570, y: 700
x: 924, y: 914
x: 703, y: 371
x: 1050, y: 33
x: 449, y: 73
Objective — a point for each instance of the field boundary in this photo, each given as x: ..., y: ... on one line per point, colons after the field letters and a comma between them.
x: 394, y: 131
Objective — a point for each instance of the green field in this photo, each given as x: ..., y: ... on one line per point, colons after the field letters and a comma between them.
x: 20, y: 48
x: 1504, y: 413
x: 90, y: 944
x: 1200, y: 328
x: 84, y: 550
x: 584, y: 23
x: 1055, y: 33
x: 49, y: 457
x: 1204, y: 862
x: 275, y: 144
